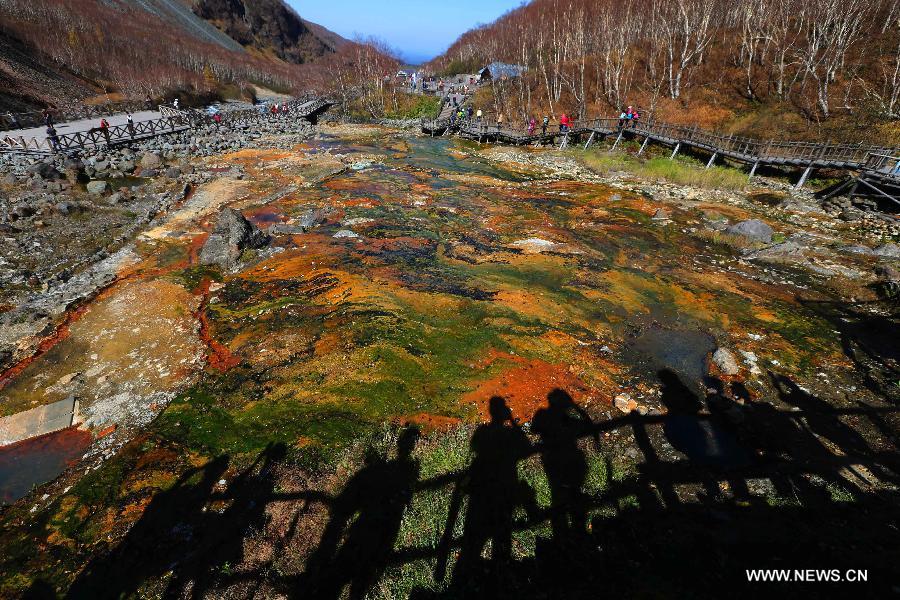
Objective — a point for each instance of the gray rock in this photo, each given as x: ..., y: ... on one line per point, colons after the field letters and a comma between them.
x: 857, y: 249
x: 97, y: 188
x: 753, y: 229
x: 232, y: 235
x: 788, y: 248
x: 285, y: 229
x: 346, y: 233
x: 726, y: 361
x: 311, y: 218
x: 151, y: 160
x: 149, y: 173
x: 63, y: 208
x: 661, y: 215
x: 173, y: 172
x: 44, y: 170
x: 889, y: 250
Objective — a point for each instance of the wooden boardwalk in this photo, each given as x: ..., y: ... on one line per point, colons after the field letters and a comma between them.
x: 749, y: 151
x: 171, y: 121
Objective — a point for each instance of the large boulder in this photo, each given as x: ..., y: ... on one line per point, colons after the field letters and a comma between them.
x: 44, y: 170
x: 889, y: 250
x: 753, y: 229
x: 151, y: 160
x: 233, y: 234
x: 97, y: 188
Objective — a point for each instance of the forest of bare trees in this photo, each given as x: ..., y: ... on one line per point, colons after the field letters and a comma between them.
x: 814, y: 58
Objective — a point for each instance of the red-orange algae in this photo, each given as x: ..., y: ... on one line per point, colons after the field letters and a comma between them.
x: 218, y: 356
x: 525, y: 386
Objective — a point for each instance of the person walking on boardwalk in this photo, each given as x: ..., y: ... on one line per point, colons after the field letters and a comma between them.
x: 563, y: 123
x: 499, y: 121
x: 48, y: 117
x: 532, y: 124
x: 478, y: 116
x: 175, y: 104
x: 545, y: 125
x: 104, y: 129
x: 622, y: 117
x: 635, y: 118
x: 130, y: 124
x: 53, y: 138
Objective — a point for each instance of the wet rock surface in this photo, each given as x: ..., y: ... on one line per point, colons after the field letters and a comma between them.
x: 251, y: 376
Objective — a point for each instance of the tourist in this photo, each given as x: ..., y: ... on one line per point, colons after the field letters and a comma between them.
x: 478, y: 116
x: 545, y: 124
x: 499, y: 121
x: 130, y: 121
x: 635, y: 118
x: 469, y: 112
x: 148, y: 102
x: 532, y: 124
x: 563, y: 123
x: 622, y: 117
x: 13, y: 121
x: 284, y: 107
x: 53, y: 138
x: 275, y: 109
x: 104, y: 129
x: 217, y: 118
x: 48, y: 117
x: 175, y: 103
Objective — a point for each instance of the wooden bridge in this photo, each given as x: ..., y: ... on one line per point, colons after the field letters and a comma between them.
x: 750, y: 151
x: 171, y: 121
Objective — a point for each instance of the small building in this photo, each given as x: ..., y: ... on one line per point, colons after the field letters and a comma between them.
x: 499, y: 70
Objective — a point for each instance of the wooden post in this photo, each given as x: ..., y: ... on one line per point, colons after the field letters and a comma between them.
x: 803, y: 178
x: 753, y: 169
x: 675, y: 151
x: 590, y: 140
x: 712, y: 159
x: 644, y: 145
x: 616, y: 143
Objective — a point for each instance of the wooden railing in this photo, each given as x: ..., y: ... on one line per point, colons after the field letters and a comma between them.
x: 171, y: 120
x: 745, y: 149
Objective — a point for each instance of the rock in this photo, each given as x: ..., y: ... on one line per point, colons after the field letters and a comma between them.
x: 625, y: 403
x: 232, y: 235
x: 887, y: 272
x: 97, y: 188
x: 173, y: 172
x: 753, y: 229
x: 788, y: 248
x: 857, y: 249
x: 311, y: 219
x: 346, y: 233
x: 44, y: 170
x: 534, y: 245
x: 889, y: 250
x: 361, y: 165
x: 726, y: 362
x: 63, y: 208
x: 285, y: 229
x: 661, y: 215
x: 149, y: 173
x: 151, y: 160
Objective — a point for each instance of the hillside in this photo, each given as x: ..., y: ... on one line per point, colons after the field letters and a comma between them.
x: 135, y: 48
x: 269, y: 26
x: 772, y: 68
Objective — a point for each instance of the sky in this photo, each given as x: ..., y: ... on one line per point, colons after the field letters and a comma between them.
x: 418, y: 29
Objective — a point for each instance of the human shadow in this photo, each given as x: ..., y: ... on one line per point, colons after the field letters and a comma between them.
x: 494, y: 492
x: 169, y: 526
x: 364, y: 523
x: 560, y: 426
x: 222, y: 545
